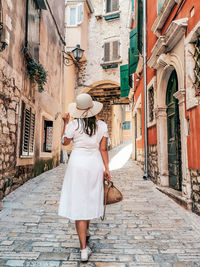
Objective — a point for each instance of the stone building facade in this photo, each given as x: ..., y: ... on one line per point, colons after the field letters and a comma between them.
x: 31, y: 88
x: 102, y: 34
x: 173, y: 106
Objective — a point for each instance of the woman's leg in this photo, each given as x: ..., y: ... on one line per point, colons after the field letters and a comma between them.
x: 88, y: 224
x: 81, y: 228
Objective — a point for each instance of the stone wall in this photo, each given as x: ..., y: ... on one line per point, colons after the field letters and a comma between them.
x: 195, y: 182
x: 140, y: 157
x: 9, y: 108
x: 153, y: 163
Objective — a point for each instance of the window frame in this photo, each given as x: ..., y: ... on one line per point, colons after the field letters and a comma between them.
x: 78, y: 8
x: 31, y: 127
x: 33, y: 45
x: 111, y: 58
x: 152, y: 84
x: 111, y: 4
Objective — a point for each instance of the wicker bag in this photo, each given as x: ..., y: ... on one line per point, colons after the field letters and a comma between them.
x: 111, y: 195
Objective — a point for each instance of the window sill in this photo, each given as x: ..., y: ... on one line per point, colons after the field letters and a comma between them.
x: 46, y: 154
x: 26, y: 157
x: 139, y: 138
x: 111, y: 62
x: 151, y: 124
x: 111, y: 13
x: 109, y: 16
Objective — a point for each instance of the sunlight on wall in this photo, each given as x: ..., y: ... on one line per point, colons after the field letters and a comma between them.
x: 120, y: 159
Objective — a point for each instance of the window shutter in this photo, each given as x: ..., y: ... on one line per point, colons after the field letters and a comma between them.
x: 26, y: 132
x: 133, y: 52
x: 41, y: 4
x: 108, y: 6
x: 72, y: 16
x: 32, y: 131
x: 159, y: 5
x: 80, y: 13
x: 115, y: 5
x: 115, y: 55
x: 140, y: 25
x: 107, y: 52
x: 124, y: 80
x: 133, y: 5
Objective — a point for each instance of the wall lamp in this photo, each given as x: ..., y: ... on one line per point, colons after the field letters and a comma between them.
x: 77, y: 55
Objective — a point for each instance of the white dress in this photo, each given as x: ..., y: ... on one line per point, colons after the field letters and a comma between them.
x: 82, y: 191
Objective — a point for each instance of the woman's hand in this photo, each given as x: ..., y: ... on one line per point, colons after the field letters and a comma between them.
x: 106, y: 175
x: 66, y: 118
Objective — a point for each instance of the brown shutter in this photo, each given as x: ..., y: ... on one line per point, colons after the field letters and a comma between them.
x: 107, y: 52
x: 115, y: 5
x: 26, y: 132
x: 32, y: 133
x: 115, y: 55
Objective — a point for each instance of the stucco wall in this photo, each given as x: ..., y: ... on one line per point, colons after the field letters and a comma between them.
x: 15, y: 86
x: 100, y: 31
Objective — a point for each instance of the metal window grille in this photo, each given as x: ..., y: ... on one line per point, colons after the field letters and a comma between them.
x: 197, y: 66
x: 28, y: 131
x: 151, y: 104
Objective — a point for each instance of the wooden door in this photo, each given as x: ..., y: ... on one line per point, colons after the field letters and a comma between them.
x: 173, y: 128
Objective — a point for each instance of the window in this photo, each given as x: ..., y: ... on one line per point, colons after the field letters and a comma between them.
x: 140, y: 25
x: 75, y: 15
x: 197, y: 66
x: 151, y: 104
x: 111, y: 51
x: 126, y: 125
x: 47, y: 136
x: 27, y: 131
x: 112, y: 5
x: 33, y: 38
x: 159, y: 5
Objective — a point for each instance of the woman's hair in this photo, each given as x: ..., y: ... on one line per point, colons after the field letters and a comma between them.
x: 89, y: 125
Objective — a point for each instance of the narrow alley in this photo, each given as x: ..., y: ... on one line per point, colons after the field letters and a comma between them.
x: 145, y: 229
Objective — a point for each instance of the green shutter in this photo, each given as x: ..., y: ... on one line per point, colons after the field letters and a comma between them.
x: 133, y: 52
x: 140, y: 25
x: 41, y: 4
x: 133, y: 5
x: 124, y: 80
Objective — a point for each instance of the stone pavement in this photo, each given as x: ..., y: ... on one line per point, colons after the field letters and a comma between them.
x: 145, y: 229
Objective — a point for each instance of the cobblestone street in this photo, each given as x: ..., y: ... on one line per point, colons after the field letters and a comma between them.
x: 145, y: 229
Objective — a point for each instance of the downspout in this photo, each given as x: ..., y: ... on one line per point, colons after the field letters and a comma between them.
x: 145, y: 87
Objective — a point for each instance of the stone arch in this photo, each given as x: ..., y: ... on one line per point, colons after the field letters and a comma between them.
x: 102, y: 83
x: 173, y: 62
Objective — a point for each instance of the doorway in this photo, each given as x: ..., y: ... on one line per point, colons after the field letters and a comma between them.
x: 173, y: 131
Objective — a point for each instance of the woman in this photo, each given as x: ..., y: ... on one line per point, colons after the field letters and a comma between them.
x: 83, y: 192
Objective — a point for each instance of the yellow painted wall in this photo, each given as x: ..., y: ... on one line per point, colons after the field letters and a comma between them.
x: 116, y: 133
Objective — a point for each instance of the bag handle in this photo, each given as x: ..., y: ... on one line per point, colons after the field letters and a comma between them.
x: 110, y: 184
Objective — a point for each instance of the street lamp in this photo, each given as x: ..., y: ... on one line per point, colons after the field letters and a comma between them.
x: 77, y: 55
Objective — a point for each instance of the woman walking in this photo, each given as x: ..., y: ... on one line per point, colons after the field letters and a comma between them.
x: 82, y: 191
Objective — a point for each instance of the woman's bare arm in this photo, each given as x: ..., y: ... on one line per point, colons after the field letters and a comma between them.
x: 104, y: 153
x: 66, y: 118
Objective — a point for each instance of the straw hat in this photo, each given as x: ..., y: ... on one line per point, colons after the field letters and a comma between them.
x: 84, y: 107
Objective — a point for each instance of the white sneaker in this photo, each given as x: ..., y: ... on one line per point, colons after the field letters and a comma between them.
x: 85, y: 253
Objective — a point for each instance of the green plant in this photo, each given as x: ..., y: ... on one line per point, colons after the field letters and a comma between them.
x: 36, y: 71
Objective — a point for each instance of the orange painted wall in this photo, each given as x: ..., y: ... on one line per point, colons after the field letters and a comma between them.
x: 151, y: 40
x: 185, y: 13
x: 152, y: 135
x: 194, y: 139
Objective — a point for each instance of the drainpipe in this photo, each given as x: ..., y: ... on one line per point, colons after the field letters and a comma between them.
x: 26, y: 25
x: 145, y: 86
